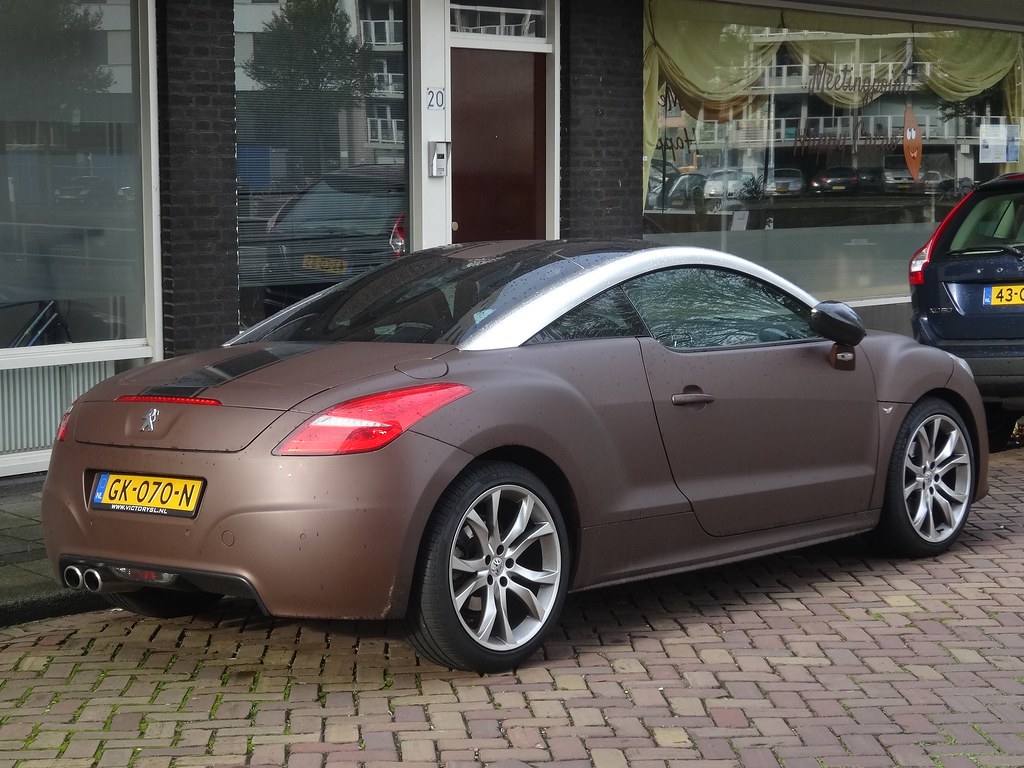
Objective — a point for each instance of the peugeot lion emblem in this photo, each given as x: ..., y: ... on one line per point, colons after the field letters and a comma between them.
x: 149, y: 420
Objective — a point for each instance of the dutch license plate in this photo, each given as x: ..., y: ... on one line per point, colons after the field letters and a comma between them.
x: 329, y: 264
x: 152, y: 494
x: 1003, y: 295
x: 839, y: 186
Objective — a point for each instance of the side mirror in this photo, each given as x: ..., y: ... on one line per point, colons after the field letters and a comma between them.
x: 837, y: 321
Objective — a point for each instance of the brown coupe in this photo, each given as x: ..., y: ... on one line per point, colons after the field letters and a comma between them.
x: 466, y: 434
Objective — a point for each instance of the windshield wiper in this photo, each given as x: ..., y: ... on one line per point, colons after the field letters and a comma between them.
x: 1013, y: 250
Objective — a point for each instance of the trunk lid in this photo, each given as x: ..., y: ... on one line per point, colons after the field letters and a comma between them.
x: 254, y: 384
x: 983, y: 295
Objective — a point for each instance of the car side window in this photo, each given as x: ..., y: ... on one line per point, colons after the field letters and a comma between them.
x: 607, y: 315
x: 700, y: 307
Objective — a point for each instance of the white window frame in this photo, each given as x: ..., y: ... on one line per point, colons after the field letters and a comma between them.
x: 150, y: 346
x: 431, y: 41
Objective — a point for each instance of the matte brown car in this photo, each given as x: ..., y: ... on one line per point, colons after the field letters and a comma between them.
x: 465, y: 435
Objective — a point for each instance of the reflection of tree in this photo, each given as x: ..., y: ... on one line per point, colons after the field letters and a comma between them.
x: 308, y: 59
x: 986, y: 102
x: 46, y: 67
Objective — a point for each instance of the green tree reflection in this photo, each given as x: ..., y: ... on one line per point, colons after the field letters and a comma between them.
x: 310, y: 66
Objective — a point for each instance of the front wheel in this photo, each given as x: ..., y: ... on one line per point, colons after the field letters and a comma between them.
x: 930, y: 482
x: 493, y: 572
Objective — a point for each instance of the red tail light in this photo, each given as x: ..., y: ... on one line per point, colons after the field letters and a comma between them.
x: 368, y: 423
x: 62, y: 429
x: 919, y: 260
x: 924, y: 254
x: 397, y: 240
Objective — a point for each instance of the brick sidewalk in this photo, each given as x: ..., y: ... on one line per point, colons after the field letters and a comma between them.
x: 817, y: 658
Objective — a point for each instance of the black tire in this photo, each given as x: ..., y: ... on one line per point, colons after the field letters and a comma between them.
x: 163, y: 603
x: 1001, y: 424
x: 931, y: 481
x: 466, y: 570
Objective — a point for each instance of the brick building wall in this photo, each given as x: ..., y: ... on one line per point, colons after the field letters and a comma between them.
x: 602, y: 118
x: 198, y: 208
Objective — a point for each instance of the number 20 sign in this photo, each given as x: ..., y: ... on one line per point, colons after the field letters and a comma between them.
x: 436, y: 98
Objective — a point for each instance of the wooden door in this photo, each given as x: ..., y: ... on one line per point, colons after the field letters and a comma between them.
x: 498, y: 145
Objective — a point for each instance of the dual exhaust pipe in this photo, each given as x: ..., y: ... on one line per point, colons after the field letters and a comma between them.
x: 94, y: 580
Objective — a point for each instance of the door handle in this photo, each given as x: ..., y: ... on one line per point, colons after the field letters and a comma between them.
x: 692, y: 398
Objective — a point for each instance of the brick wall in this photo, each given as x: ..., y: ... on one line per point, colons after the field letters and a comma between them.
x: 602, y: 118
x: 198, y: 209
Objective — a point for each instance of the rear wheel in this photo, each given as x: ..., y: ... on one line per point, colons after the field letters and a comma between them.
x: 162, y: 603
x: 493, y: 572
x: 930, y: 481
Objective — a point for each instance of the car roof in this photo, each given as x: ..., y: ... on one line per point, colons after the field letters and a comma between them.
x: 602, y: 265
x: 540, y: 280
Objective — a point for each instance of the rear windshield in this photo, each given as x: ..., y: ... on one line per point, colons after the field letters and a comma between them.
x: 994, y: 221
x: 429, y: 297
x: 344, y: 205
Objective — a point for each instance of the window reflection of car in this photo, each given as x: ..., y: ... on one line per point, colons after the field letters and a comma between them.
x: 660, y: 172
x: 935, y: 183
x: 785, y: 181
x: 663, y: 169
x: 839, y: 179
x: 726, y: 182
x: 338, y: 226
x: 84, y: 190
x: 32, y: 323
x: 49, y: 321
x: 871, y: 180
x: 901, y: 180
x: 685, y: 190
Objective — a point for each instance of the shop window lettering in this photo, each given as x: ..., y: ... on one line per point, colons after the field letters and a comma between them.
x: 684, y: 143
x: 809, y: 140
x: 822, y: 81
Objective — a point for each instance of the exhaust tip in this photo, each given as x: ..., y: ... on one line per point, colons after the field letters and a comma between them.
x: 73, y: 577
x: 92, y: 580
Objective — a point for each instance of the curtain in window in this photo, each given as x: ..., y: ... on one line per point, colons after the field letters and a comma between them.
x: 706, y: 55
x: 964, y: 62
x: 873, y: 50
x: 710, y: 59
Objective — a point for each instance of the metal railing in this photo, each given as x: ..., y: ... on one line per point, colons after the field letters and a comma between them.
x: 389, y: 32
x: 486, y: 20
x: 388, y: 84
x: 385, y: 131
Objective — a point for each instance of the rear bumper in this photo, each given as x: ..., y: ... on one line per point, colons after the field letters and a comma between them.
x: 997, y: 365
x: 317, y: 537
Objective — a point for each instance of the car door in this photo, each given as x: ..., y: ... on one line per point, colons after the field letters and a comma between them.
x: 759, y: 429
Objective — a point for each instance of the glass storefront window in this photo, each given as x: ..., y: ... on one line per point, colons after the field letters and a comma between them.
x: 71, y: 234
x: 322, y: 180
x: 762, y: 124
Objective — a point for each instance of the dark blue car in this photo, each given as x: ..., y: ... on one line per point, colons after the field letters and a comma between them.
x: 967, y: 294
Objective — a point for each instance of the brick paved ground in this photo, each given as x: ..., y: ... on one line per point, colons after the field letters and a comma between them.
x: 818, y: 658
